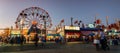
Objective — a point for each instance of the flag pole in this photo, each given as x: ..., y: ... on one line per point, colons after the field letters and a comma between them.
x: 107, y: 21
x: 71, y: 21
x: 95, y: 20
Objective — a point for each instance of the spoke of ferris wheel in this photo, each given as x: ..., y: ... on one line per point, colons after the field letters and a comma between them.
x: 26, y: 21
x: 31, y: 17
x: 39, y: 14
x: 28, y: 25
x: 33, y: 14
x: 18, y: 18
x: 41, y: 21
x: 28, y: 11
x: 36, y: 15
x: 38, y: 18
x: 27, y: 18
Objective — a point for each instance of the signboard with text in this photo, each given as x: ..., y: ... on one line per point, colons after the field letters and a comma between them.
x: 72, y: 28
x: 15, y: 32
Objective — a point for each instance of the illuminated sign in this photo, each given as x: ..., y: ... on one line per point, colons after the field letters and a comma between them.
x: 91, y: 25
x: 72, y: 28
x: 15, y: 32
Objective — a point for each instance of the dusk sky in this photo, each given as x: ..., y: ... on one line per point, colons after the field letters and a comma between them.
x: 84, y: 10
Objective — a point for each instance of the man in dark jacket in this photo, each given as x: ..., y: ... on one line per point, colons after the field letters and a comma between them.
x: 36, y: 39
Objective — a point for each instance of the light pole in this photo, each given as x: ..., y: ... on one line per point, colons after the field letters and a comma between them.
x: 71, y: 21
x: 44, y: 19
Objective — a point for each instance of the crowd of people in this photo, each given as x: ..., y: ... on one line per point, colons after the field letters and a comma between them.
x: 21, y: 39
x: 101, y: 41
x: 12, y: 40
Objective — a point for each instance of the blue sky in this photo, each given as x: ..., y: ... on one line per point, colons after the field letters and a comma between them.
x: 84, y: 10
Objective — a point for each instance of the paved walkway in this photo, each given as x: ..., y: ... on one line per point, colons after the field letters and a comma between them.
x: 56, y: 48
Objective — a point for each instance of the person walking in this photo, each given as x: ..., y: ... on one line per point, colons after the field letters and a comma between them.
x: 36, y: 39
x: 43, y: 39
x: 96, y: 42
x: 104, y: 44
x: 103, y: 41
x: 22, y: 39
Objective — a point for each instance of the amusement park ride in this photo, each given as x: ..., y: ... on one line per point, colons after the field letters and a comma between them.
x: 34, y: 19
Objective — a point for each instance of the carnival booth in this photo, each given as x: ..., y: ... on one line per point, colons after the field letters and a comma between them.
x: 72, y: 33
x: 52, y: 37
x: 15, y: 32
x: 89, y: 33
x: 113, y: 32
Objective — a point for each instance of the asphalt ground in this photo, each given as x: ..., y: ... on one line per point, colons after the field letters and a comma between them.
x: 56, y: 48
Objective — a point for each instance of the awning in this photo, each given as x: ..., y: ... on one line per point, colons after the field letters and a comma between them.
x: 90, y: 29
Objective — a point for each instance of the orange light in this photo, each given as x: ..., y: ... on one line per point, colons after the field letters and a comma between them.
x: 34, y: 22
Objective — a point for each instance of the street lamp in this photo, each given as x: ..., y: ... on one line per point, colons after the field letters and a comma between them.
x: 44, y: 19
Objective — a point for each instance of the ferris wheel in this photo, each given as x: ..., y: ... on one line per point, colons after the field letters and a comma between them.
x: 33, y: 16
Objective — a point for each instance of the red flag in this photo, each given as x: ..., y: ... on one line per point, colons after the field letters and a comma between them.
x: 76, y: 22
x: 98, y: 21
x: 16, y: 25
x: 112, y: 25
x: 103, y: 26
x: 62, y: 20
x: 109, y: 27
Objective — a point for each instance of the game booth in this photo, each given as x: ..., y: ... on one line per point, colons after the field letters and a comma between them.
x: 72, y: 33
x: 69, y: 33
x: 52, y: 37
x: 15, y: 32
